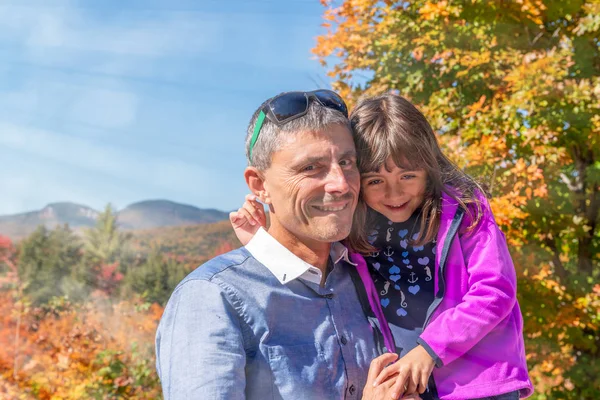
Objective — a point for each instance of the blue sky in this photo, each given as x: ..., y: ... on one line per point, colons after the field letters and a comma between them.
x: 121, y: 101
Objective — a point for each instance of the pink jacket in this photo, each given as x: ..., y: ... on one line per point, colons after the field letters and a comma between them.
x: 474, y: 325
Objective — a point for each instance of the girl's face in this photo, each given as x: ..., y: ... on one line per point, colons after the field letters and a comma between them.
x: 394, y: 192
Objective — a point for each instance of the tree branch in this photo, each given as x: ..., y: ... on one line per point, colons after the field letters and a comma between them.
x: 559, y: 267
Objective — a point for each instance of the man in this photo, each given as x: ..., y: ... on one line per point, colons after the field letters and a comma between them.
x: 280, y: 317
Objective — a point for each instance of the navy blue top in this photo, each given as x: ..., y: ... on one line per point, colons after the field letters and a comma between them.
x: 403, y: 276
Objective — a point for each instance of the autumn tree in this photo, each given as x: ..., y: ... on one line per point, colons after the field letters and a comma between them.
x: 107, y: 254
x: 47, y: 259
x: 8, y: 268
x: 105, y: 243
x: 513, y: 89
x: 79, y: 351
x: 156, y: 278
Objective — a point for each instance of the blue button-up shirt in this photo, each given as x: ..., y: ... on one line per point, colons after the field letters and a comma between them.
x: 238, y: 328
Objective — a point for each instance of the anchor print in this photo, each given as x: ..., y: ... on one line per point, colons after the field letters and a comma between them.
x: 386, y: 287
x: 412, y: 278
x: 388, y: 237
x: 428, y: 272
x: 388, y: 252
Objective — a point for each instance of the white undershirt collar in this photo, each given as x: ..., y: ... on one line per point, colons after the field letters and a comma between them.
x: 284, y: 264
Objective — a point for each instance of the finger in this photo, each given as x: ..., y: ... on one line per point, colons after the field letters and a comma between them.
x: 412, y: 383
x: 412, y: 397
x: 246, y: 215
x: 423, y: 383
x: 385, y: 374
x: 258, y: 213
x: 259, y: 209
x: 253, y: 200
x: 400, y: 386
x: 240, y: 218
x: 251, y: 197
x: 378, y: 364
x: 380, y: 392
x: 234, y: 218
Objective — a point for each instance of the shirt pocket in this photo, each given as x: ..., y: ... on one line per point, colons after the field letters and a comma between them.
x: 300, y: 371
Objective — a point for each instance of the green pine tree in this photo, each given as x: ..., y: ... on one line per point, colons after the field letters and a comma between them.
x: 156, y: 278
x: 47, y: 259
x: 104, y: 244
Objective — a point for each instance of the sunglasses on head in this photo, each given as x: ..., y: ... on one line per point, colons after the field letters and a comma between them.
x: 288, y: 106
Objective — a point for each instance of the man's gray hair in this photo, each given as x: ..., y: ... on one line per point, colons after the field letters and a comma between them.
x: 271, y: 136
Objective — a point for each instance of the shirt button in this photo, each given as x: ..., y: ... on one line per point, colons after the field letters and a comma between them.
x: 344, y: 340
x: 351, y: 389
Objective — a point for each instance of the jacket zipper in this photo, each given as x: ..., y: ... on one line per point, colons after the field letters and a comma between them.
x: 458, y: 216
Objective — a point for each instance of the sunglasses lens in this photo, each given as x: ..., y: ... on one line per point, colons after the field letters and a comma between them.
x: 331, y: 100
x: 288, y: 106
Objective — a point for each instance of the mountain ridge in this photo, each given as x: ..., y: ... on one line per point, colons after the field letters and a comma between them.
x: 145, y: 214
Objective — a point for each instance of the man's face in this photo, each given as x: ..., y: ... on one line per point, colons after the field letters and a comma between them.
x: 313, y: 184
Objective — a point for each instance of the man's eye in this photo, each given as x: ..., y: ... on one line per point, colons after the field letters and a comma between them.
x: 346, y: 163
x: 309, y: 168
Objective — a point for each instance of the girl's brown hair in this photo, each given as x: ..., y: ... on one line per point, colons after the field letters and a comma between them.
x: 390, y: 126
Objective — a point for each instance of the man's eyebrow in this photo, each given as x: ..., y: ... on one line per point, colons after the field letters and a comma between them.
x: 316, y: 159
x: 308, y: 160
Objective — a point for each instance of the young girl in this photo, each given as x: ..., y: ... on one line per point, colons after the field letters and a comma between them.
x: 440, y: 263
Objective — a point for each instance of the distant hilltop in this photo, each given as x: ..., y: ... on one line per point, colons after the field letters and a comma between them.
x: 142, y: 215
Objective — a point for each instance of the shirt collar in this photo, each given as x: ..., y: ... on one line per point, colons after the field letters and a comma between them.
x: 284, y: 264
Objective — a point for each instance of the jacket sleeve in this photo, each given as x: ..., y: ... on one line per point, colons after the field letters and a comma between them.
x: 374, y: 301
x: 491, y: 295
x: 199, y: 345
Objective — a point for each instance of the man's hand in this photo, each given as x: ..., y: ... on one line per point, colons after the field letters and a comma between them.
x: 382, y: 391
x: 248, y: 219
x: 412, y: 372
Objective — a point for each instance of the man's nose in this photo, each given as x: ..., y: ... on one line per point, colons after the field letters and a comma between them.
x: 337, y: 181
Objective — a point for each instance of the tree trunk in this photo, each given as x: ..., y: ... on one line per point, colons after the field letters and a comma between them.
x: 559, y: 268
x: 587, y: 206
x: 584, y: 252
x: 17, y: 335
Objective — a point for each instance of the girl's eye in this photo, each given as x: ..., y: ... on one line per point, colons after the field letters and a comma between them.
x: 374, y: 182
x: 406, y: 177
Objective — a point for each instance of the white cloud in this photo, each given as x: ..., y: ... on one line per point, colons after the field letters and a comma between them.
x: 135, y: 73
x: 103, y: 107
x: 94, y: 156
x: 40, y: 166
x: 66, y: 27
x: 31, y: 189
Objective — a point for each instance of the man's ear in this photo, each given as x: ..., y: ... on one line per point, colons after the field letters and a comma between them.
x: 255, y: 180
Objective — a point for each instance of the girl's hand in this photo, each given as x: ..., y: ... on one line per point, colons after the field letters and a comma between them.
x: 248, y: 219
x: 413, y: 372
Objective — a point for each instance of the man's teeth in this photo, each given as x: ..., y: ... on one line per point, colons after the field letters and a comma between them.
x: 331, y: 208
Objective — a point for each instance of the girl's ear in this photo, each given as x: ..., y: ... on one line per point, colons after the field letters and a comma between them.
x: 255, y: 180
